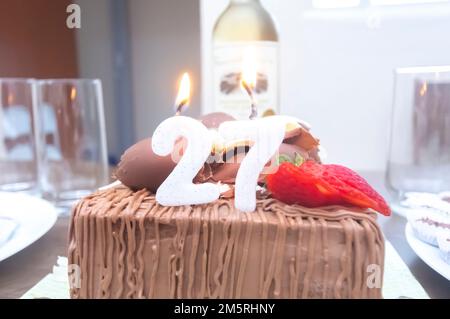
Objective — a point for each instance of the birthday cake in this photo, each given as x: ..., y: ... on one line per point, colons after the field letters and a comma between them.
x: 311, y: 232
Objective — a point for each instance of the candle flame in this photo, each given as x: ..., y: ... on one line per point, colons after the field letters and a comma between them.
x: 184, y: 93
x: 248, y: 75
x: 423, y: 89
x: 10, y: 98
x: 73, y: 93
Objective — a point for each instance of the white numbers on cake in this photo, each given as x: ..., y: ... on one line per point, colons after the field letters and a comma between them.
x: 178, y: 188
x: 267, y: 134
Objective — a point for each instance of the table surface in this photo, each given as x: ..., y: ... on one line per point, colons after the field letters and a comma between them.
x: 22, y: 271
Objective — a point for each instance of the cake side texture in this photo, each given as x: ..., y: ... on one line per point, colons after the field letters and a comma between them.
x: 126, y: 245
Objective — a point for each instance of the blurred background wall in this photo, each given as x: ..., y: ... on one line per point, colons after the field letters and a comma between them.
x: 137, y: 48
x: 162, y: 39
x: 95, y: 59
x: 336, y: 64
x: 165, y: 41
x: 34, y: 41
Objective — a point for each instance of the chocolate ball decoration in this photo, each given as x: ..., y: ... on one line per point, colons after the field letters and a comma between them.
x: 213, y: 120
x: 140, y: 167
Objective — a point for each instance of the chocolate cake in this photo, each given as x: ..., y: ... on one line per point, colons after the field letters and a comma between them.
x: 127, y: 245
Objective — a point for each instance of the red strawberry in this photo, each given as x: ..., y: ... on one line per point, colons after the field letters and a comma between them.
x: 301, y: 185
x: 354, y: 189
x: 312, y: 185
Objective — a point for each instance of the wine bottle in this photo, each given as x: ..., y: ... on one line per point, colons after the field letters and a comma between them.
x: 245, y: 24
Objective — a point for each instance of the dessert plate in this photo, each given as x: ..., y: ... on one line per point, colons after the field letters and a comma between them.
x: 422, y: 201
x: 429, y: 254
x: 26, y: 219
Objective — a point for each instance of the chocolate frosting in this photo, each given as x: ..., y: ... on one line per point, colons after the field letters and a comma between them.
x: 140, y: 168
x: 128, y: 246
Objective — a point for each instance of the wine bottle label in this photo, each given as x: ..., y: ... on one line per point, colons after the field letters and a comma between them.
x: 228, y: 94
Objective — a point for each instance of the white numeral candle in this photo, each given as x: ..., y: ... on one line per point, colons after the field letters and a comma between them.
x: 267, y: 134
x: 178, y: 189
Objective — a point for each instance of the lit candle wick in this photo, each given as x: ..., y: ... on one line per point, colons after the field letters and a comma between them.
x: 179, y: 107
x: 249, y: 90
x: 184, y: 93
x: 249, y: 79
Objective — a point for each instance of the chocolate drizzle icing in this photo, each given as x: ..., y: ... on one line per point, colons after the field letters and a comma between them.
x: 128, y: 246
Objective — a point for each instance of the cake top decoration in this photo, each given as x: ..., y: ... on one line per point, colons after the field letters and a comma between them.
x: 140, y: 167
x: 195, y: 161
x: 299, y: 170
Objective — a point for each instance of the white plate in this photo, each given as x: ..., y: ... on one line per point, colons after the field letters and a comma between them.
x: 429, y: 254
x: 35, y: 217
